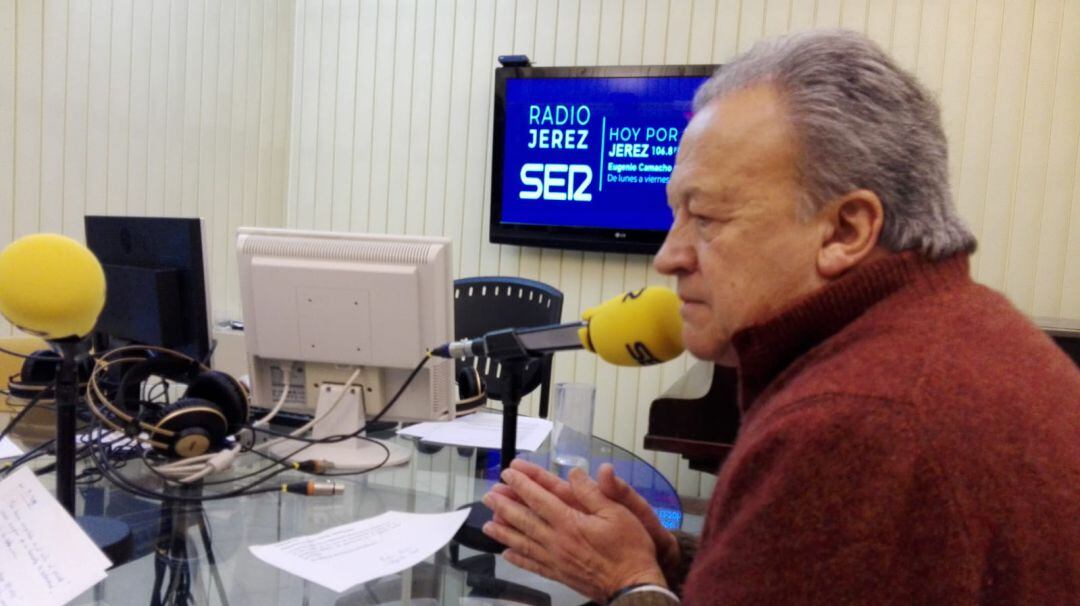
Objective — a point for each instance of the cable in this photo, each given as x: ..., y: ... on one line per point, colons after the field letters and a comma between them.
x: 26, y: 457
x: 22, y: 413
x: 14, y: 354
x: 265, y: 420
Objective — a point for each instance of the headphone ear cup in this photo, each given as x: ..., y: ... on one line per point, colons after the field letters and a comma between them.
x: 222, y: 390
x: 198, y: 426
x: 37, y: 374
x: 471, y: 392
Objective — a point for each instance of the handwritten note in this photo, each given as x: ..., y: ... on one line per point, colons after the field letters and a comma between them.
x: 347, y: 555
x: 47, y: 559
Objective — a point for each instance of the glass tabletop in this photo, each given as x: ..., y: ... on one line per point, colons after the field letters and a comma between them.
x: 197, y: 553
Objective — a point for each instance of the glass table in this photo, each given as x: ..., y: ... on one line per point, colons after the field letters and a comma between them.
x: 198, y: 553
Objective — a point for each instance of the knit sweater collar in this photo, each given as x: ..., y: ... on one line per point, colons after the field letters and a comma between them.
x: 766, y: 349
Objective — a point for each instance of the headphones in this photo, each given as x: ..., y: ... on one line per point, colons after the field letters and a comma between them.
x: 214, y: 405
x: 37, y: 377
x: 472, y: 392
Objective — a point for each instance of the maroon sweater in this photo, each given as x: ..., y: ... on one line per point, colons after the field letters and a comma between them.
x: 908, y: 438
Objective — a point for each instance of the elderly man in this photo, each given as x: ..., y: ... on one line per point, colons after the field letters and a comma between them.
x: 907, y: 436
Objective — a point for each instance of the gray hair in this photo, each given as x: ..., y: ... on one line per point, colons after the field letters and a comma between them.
x: 862, y: 123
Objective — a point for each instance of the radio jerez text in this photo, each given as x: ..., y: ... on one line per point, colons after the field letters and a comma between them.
x: 628, y: 153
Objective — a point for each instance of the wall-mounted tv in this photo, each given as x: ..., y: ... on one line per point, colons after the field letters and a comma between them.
x: 582, y: 155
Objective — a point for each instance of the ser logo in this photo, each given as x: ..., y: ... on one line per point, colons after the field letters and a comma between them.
x: 556, y: 182
x: 641, y: 354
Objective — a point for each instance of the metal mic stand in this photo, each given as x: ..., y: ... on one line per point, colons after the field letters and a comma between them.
x: 471, y: 533
x: 112, y: 536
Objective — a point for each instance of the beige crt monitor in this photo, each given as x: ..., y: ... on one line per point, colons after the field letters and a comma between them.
x: 320, y: 305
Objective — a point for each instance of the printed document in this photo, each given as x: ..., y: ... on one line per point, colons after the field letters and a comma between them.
x: 355, y: 553
x: 482, y: 430
x: 46, y: 558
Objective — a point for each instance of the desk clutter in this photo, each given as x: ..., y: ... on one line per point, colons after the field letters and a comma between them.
x: 348, y: 331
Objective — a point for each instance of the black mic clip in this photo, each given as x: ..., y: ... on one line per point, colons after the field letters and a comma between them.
x: 505, y: 345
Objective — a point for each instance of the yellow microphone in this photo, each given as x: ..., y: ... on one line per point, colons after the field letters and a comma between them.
x: 637, y: 328
x: 51, y: 286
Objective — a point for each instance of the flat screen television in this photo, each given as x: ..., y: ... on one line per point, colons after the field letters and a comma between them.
x: 582, y: 155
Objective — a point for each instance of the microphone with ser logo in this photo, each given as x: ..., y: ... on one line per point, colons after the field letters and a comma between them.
x: 637, y: 328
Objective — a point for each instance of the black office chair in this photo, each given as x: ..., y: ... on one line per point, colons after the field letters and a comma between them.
x: 488, y: 303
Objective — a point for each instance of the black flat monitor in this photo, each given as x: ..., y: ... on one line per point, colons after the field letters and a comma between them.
x: 155, y: 280
x: 582, y: 155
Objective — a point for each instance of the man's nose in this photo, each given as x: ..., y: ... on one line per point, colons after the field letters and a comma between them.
x: 676, y: 255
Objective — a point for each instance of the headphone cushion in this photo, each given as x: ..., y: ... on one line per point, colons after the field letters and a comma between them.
x: 200, y: 427
x: 222, y: 390
x: 36, y: 376
x: 470, y: 387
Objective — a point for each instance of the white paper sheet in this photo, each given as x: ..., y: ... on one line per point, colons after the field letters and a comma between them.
x: 482, y: 430
x: 347, y: 555
x: 9, y: 449
x: 47, y: 559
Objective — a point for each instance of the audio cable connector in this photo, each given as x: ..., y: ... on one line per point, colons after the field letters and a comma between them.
x: 312, y: 488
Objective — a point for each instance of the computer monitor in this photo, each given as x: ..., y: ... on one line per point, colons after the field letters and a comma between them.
x: 319, y: 305
x: 155, y: 280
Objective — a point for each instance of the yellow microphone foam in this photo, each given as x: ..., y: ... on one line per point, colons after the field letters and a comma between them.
x: 637, y: 328
x: 51, y: 286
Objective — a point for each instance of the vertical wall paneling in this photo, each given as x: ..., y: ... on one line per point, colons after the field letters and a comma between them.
x: 192, y: 124
x: 118, y: 119
x: 8, y: 43
x: 139, y: 108
x: 28, y: 116
x: 699, y: 42
x: 751, y: 23
x: 880, y: 17
x: 415, y: 199
x: 1005, y: 144
x: 346, y: 57
x: 461, y: 81
x: 970, y: 183
x: 327, y: 86
x: 158, y: 70
x: 144, y: 107
x: 853, y: 14
x: 438, y: 147
x: 53, y: 99
x: 955, y: 82
x: 777, y: 17
x: 1033, y: 158
x: 1059, y: 255
x: 802, y: 15
x: 474, y: 145
x: 364, y: 116
x: 828, y: 13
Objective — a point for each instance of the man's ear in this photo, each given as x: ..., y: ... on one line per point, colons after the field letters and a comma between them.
x: 853, y: 225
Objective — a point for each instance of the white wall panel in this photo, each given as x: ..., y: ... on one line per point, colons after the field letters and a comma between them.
x: 145, y: 107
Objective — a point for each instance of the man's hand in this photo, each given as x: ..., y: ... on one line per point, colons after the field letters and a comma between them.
x: 595, y: 548
x: 614, y: 488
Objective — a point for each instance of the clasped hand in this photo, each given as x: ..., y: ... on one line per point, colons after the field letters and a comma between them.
x: 593, y: 536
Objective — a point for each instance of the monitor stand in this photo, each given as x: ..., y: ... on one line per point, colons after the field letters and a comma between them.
x: 353, y: 454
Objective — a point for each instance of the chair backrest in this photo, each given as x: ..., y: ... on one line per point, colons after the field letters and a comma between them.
x: 484, y: 304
